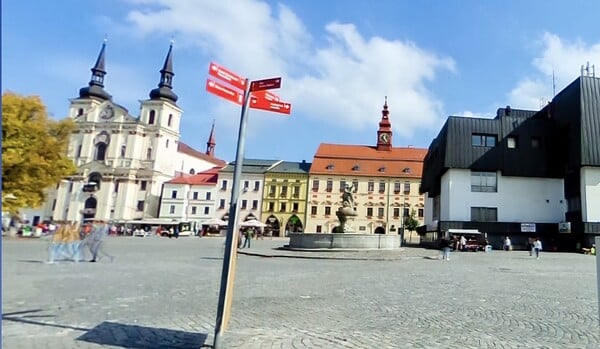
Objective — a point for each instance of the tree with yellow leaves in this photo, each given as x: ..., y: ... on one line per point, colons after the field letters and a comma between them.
x: 33, y: 151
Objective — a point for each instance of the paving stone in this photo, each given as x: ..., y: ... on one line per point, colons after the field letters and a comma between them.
x: 163, y: 293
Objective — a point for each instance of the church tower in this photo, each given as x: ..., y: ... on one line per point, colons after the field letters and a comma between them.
x: 384, y: 133
x: 162, y: 116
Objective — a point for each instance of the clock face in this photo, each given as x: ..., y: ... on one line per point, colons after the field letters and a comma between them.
x: 107, y: 112
x: 384, y: 137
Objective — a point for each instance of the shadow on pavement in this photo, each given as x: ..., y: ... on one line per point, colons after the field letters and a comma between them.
x: 23, y: 318
x: 140, y: 337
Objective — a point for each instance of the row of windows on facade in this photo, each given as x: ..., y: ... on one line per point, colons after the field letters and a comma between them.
x: 295, y: 207
x: 370, y: 186
x: 480, y: 182
x: 101, y: 148
x: 151, y: 117
x: 489, y: 140
x: 370, y: 211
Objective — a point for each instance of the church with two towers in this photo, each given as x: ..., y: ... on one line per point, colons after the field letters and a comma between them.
x: 123, y: 160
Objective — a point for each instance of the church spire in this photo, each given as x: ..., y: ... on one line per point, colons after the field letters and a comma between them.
x: 96, y: 84
x: 210, y: 145
x: 164, y: 90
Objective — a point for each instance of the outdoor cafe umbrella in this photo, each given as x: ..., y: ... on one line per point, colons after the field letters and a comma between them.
x: 214, y: 221
x: 253, y: 223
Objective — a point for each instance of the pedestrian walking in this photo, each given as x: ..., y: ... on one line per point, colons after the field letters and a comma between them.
x: 507, y: 244
x: 248, y: 233
x: 98, y: 247
x: 445, y: 245
x: 537, y: 247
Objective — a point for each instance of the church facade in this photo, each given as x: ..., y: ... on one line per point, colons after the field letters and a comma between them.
x: 123, y: 160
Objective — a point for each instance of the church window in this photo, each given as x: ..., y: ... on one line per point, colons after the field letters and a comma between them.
x: 78, y: 151
x: 151, y: 117
x: 167, y: 143
x: 149, y: 154
x: 170, y: 122
x: 80, y: 112
x: 123, y: 150
x: 101, y: 151
x: 192, y: 171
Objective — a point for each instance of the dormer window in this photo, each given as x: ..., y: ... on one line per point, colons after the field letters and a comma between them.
x: 329, y: 167
x: 356, y: 168
x: 381, y: 169
x: 406, y: 170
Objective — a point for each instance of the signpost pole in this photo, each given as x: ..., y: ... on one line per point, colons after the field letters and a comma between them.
x: 228, y: 272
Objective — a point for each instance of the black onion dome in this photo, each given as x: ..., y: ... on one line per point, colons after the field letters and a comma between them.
x: 96, y: 84
x: 164, y: 90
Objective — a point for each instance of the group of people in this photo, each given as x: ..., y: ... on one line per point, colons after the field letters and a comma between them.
x: 69, y: 242
x: 534, y: 245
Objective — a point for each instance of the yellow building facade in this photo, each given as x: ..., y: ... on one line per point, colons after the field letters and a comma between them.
x: 284, y: 198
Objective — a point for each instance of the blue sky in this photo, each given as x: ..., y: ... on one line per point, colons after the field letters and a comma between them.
x: 338, y: 60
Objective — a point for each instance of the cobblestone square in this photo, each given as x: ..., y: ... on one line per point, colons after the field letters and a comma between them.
x: 163, y: 293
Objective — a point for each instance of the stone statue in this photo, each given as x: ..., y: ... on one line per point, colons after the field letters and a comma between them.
x: 347, y: 210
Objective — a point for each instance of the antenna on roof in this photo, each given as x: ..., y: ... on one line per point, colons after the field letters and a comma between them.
x: 587, y: 70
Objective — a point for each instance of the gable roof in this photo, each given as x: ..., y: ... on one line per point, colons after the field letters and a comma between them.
x: 291, y: 167
x: 186, y: 149
x: 208, y: 177
x: 363, y: 160
x: 255, y: 166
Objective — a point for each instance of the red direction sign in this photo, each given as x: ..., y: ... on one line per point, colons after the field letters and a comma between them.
x: 275, y: 106
x: 264, y: 94
x: 266, y: 84
x: 223, y: 91
x: 226, y: 75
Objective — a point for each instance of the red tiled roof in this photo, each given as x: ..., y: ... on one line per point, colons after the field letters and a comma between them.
x: 364, y: 160
x: 186, y: 149
x: 208, y: 177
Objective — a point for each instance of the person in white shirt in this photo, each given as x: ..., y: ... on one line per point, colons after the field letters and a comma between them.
x: 463, y: 242
x: 507, y: 244
x: 537, y: 247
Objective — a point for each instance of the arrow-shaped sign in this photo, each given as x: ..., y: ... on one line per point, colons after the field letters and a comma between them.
x: 232, y: 78
x: 275, y: 106
x: 269, y: 96
x: 223, y: 91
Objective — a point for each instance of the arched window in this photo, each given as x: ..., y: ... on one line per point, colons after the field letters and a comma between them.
x: 151, y: 117
x: 96, y: 179
x: 78, y: 155
x: 170, y: 122
x: 167, y: 143
x: 192, y: 171
x: 123, y: 150
x: 149, y: 154
x: 101, y: 151
x: 80, y: 112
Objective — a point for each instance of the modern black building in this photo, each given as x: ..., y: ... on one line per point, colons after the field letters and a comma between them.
x: 521, y: 174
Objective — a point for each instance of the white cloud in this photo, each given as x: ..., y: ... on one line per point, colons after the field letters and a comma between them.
x: 560, y: 58
x: 342, y: 83
x: 471, y: 114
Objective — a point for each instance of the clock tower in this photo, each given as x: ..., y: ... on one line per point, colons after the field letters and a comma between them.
x: 384, y: 133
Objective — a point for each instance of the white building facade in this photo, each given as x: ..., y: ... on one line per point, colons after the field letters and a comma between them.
x: 122, y: 160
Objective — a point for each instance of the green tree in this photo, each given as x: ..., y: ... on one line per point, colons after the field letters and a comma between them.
x: 33, y: 151
x: 411, y: 222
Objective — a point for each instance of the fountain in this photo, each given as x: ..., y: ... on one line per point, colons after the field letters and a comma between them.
x: 344, y: 236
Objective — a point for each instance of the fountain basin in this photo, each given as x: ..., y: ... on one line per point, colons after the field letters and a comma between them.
x: 321, y: 241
